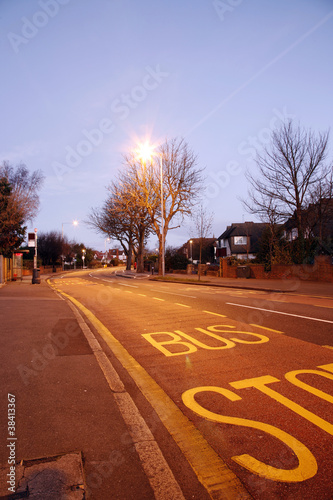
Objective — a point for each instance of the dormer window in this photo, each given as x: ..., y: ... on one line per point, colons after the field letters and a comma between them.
x: 240, y: 240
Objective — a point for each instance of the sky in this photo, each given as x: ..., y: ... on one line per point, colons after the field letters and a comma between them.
x: 83, y: 81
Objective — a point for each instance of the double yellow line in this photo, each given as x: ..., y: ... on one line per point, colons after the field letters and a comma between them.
x: 219, y: 481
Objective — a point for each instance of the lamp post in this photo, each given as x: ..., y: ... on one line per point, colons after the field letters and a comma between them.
x: 83, y: 257
x: 146, y: 151
x: 191, y: 241
x: 105, y: 254
x: 74, y: 223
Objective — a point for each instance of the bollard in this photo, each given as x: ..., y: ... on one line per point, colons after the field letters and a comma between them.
x: 36, y: 276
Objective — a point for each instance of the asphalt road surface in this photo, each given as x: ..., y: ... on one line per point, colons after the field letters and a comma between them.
x: 250, y: 371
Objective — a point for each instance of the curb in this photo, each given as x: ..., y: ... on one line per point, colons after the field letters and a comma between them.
x: 221, y: 285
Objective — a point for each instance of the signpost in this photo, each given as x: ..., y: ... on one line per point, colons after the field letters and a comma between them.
x: 32, y: 242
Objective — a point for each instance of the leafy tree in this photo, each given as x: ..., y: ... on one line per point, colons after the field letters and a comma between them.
x: 273, y: 247
x: 50, y: 247
x: 18, y: 203
x: 175, y: 260
x: 12, y: 231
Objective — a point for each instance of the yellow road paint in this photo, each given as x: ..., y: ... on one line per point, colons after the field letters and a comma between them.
x: 307, y: 465
x: 219, y: 481
x: 260, y: 383
x: 265, y: 328
x: 142, y: 295
x: 291, y: 377
x: 215, y: 314
x: 328, y: 367
x: 157, y: 298
x: 182, y: 305
x: 176, y: 340
x: 328, y: 346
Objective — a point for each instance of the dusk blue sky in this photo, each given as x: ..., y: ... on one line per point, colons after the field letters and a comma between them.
x: 83, y: 80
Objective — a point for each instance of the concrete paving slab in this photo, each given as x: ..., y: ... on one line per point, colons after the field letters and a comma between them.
x: 50, y: 478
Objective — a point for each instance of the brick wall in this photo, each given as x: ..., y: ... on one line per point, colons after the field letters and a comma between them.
x: 321, y: 270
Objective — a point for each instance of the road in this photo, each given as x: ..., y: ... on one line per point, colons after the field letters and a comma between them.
x: 251, y: 371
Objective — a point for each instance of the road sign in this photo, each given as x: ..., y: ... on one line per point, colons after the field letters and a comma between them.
x: 31, y: 240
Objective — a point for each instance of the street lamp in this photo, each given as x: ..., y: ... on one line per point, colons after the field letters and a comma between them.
x: 74, y: 223
x: 191, y: 241
x: 83, y: 256
x: 105, y: 254
x: 145, y: 152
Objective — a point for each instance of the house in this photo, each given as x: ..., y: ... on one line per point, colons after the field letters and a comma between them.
x: 106, y: 257
x: 240, y: 240
x: 116, y: 254
x: 98, y: 255
x: 317, y: 221
x: 191, y: 250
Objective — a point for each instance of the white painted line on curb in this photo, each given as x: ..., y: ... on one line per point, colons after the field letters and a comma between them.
x: 156, y: 468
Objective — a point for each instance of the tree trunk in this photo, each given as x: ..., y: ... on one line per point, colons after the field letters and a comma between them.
x: 140, y: 265
x: 160, y: 251
x: 199, y: 265
x: 129, y: 257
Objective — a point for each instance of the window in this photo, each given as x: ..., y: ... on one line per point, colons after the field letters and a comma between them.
x: 240, y: 240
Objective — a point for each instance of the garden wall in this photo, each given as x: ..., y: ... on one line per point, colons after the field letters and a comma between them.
x: 321, y: 270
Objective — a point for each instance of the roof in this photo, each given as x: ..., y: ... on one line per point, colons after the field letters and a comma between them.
x: 252, y: 229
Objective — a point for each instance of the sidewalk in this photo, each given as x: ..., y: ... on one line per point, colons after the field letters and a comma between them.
x: 70, y: 438
x: 313, y: 288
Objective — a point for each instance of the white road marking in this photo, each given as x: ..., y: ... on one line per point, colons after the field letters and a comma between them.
x: 172, y: 293
x: 280, y: 312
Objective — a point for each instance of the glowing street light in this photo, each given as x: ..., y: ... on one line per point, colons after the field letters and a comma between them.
x: 145, y: 152
x: 74, y: 223
x: 83, y: 257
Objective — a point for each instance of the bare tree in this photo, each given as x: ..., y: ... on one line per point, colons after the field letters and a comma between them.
x: 109, y: 221
x: 203, y: 221
x: 124, y: 219
x: 288, y: 169
x: 176, y: 166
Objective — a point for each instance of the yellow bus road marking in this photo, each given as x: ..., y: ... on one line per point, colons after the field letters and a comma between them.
x: 265, y: 328
x: 182, y: 305
x: 142, y: 295
x: 156, y: 298
x: 215, y: 314
x: 328, y: 346
x: 219, y: 481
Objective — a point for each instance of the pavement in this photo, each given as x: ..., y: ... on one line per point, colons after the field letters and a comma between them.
x: 292, y: 285
x: 70, y: 441
x: 67, y: 438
